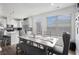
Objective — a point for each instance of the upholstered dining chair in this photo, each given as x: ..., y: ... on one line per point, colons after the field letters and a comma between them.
x: 62, y: 50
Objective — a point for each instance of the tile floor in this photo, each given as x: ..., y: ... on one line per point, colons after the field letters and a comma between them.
x: 11, y: 50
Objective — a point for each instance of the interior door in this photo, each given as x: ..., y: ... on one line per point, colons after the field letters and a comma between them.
x: 39, y: 29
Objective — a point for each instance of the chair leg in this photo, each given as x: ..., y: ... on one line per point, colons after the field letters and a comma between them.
x: 50, y: 51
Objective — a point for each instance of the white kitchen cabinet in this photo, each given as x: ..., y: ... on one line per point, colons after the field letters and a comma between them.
x: 14, y: 37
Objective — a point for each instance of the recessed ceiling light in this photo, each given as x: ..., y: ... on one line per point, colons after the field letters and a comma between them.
x: 52, y: 4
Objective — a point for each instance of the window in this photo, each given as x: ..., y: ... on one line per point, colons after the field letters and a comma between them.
x: 52, y: 21
x: 59, y: 24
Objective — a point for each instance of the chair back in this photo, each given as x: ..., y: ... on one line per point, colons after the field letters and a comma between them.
x: 1, y: 34
x: 66, y: 42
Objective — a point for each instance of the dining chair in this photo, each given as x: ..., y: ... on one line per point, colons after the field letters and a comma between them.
x: 1, y: 36
x: 62, y: 50
x: 1, y: 39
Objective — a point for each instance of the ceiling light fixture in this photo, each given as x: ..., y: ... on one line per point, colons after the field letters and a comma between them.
x: 52, y: 4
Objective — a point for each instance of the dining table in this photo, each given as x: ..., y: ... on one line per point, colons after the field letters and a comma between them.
x: 44, y: 41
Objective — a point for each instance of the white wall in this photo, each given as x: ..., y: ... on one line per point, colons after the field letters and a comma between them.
x: 30, y: 22
x: 65, y: 11
x: 1, y: 12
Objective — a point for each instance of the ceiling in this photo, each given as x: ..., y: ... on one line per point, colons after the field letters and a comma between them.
x: 21, y: 10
